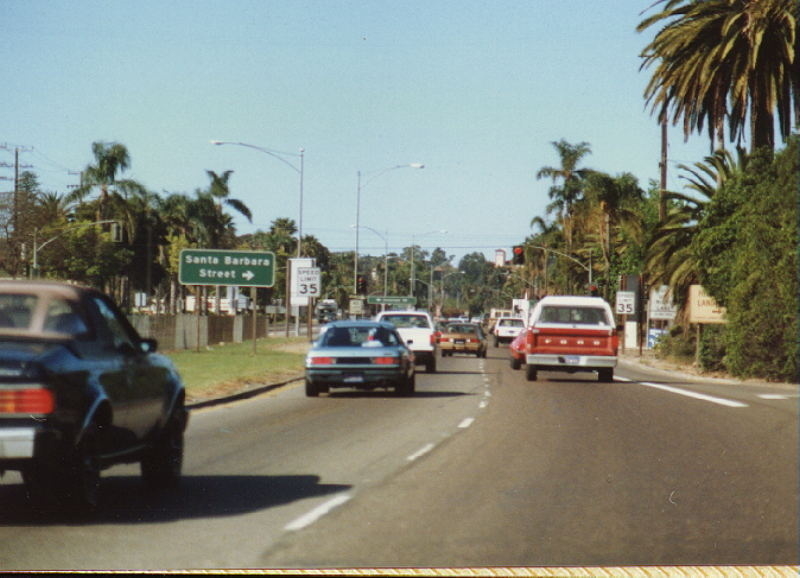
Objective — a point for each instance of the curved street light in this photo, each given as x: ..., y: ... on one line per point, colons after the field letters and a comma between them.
x: 385, y: 256
x: 280, y: 156
x: 375, y: 175
x: 37, y: 248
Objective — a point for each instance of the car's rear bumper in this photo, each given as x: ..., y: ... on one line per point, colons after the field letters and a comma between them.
x: 460, y: 347
x: 570, y: 362
x: 354, y: 377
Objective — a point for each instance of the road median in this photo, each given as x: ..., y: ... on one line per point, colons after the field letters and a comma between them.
x: 231, y: 371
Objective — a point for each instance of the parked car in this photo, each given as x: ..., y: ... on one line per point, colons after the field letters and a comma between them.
x: 418, y: 332
x: 462, y: 338
x: 361, y: 355
x: 80, y: 390
x: 571, y: 334
x: 506, y: 329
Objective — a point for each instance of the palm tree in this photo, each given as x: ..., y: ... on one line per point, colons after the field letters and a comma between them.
x: 220, y: 190
x: 571, y: 178
x: 725, y: 59
x: 614, y: 200
x: 670, y: 259
x: 110, y: 159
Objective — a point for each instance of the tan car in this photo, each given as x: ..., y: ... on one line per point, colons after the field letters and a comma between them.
x: 462, y: 338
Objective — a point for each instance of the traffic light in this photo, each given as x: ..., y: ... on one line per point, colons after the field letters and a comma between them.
x: 361, y: 285
x: 518, y: 255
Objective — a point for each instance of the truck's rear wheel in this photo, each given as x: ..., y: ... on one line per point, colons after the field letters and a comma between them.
x: 605, y: 375
x: 530, y: 372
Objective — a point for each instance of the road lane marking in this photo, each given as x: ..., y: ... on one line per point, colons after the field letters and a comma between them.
x: 688, y: 393
x: 783, y: 396
x: 315, y: 514
x: 466, y: 423
x: 420, y: 452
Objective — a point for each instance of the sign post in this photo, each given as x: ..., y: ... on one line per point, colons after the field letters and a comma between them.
x: 227, y: 268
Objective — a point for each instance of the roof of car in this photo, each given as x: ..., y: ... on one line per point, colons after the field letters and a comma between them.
x: 359, y: 323
x: 61, y: 289
x: 572, y: 300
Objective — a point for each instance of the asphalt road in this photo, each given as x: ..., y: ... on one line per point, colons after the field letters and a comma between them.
x: 480, y: 468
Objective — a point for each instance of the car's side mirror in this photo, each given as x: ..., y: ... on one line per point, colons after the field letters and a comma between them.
x: 148, y: 345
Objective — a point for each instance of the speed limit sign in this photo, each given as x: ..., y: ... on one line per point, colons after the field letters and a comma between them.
x: 308, y: 281
x: 626, y: 302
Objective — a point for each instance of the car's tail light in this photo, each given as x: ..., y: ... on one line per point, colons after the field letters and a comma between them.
x: 30, y: 401
x: 386, y: 360
x: 322, y: 361
x: 435, y: 338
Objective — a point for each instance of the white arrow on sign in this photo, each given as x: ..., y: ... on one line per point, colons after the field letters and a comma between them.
x: 248, y: 275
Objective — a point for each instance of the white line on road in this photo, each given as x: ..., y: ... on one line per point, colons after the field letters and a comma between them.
x: 317, y: 513
x: 688, y: 393
x: 466, y: 423
x: 420, y: 452
x: 778, y: 396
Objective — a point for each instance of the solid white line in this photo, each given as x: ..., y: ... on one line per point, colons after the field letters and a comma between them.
x: 421, y: 452
x: 315, y: 514
x: 466, y: 423
x: 777, y: 396
x: 688, y: 393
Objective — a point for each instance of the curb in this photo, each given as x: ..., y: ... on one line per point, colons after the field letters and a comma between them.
x: 635, y: 361
x: 247, y: 394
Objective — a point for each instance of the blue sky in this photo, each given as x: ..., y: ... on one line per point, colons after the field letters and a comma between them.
x: 477, y: 91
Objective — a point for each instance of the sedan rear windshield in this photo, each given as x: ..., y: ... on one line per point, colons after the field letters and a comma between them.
x: 358, y: 337
x: 574, y: 315
x: 18, y: 314
x: 403, y: 321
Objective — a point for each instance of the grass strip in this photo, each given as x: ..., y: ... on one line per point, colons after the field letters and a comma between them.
x: 230, y: 367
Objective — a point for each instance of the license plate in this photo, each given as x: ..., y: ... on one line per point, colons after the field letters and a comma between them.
x: 354, y: 379
x: 572, y: 359
x: 459, y: 342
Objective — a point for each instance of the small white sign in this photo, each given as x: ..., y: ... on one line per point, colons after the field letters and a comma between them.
x: 308, y: 281
x: 661, y: 305
x: 626, y: 302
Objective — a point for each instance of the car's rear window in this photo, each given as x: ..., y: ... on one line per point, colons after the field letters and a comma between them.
x: 18, y: 314
x: 358, y: 337
x: 574, y: 315
x: 511, y: 323
x: 407, y: 321
x: 455, y: 328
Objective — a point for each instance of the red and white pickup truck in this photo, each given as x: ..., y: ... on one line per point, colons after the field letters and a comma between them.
x: 569, y: 334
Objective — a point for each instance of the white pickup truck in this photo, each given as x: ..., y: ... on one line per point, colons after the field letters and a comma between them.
x: 417, y: 330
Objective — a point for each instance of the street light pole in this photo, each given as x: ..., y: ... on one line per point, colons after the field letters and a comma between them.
x: 359, y: 188
x: 385, y: 256
x: 300, y: 170
x: 413, y: 267
x: 37, y: 248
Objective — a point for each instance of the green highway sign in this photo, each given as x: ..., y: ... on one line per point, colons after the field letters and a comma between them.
x: 377, y: 300
x: 217, y: 267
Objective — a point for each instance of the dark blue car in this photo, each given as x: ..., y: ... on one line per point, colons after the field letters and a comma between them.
x: 361, y: 355
x: 80, y: 391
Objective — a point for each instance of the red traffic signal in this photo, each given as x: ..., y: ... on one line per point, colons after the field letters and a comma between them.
x: 518, y: 255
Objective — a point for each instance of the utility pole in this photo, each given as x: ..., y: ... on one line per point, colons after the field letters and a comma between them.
x: 662, y: 201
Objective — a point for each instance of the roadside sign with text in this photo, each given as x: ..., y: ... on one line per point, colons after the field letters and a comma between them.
x: 298, y: 296
x: 308, y: 281
x: 703, y: 308
x: 626, y: 302
x: 391, y: 300
x: 219, y: 267
x: 661, y: 305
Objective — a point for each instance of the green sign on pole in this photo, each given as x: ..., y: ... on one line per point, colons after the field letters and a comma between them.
x: 217, y: 267
x: 378, y: 300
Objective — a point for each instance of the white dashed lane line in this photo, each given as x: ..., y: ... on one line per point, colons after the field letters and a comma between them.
x: 687, y: 393
x: 315, y: 514
x: 420, y: 452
